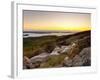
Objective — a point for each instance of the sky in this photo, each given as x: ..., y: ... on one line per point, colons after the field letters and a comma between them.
x: 55, y: 21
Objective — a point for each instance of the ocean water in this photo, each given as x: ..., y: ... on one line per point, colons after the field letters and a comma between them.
x: 26, y: 35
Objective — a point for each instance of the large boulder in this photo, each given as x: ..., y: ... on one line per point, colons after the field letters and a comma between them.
x: 27, y: 63
x: 35, y: 61
x: 77, y: 61
x: 74, y: 50
x: 39, y: 58
x: 60, y: 50
x: 81, y: 59
x: 85, y: 55
x: 55, y: 51
x: 67, y: 62
x: 65, y: 49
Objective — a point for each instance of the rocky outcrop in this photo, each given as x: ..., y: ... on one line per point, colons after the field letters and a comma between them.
x: 27, y: 63
x: 83, y: 59
x: 55, y: 51
x: 77, y: 61
x: 85, y: 55
x: 63, y: 51
x: 39, y: 58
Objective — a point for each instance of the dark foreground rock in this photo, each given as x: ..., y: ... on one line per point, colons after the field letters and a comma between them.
x: 83, y: 59
x: 27, y: 63
x: 59, y: 60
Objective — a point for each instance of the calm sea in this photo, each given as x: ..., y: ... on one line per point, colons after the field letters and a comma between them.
x: 26, y: 35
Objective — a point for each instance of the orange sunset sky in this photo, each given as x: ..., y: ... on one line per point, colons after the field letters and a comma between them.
x: 55, y: 21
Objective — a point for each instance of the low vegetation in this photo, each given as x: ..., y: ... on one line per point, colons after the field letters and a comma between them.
x: 34, y: 46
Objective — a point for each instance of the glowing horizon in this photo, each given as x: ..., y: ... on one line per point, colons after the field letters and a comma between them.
x: 56, y: 21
